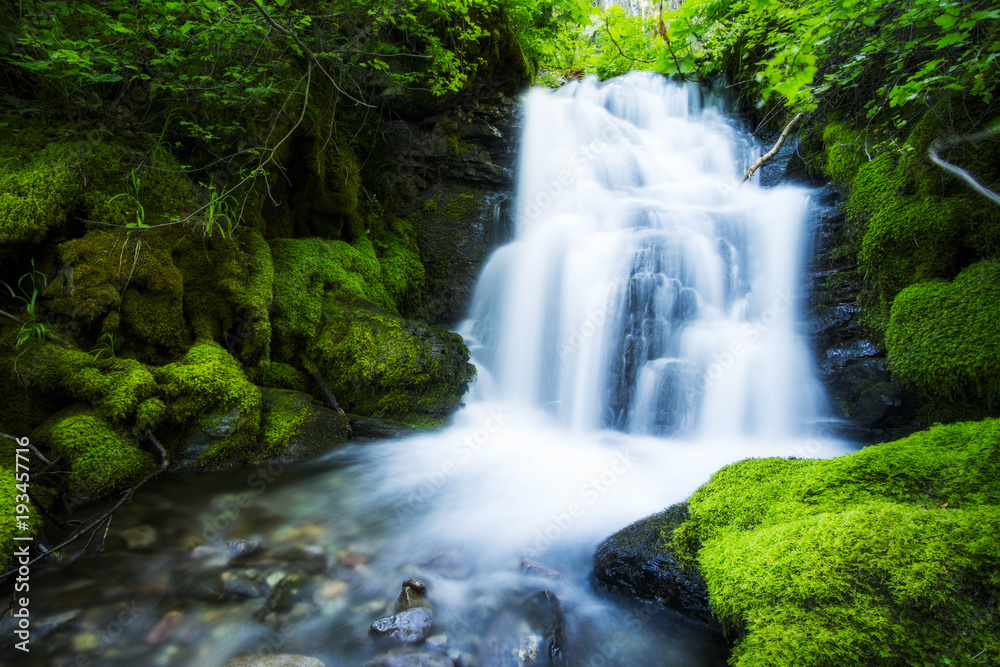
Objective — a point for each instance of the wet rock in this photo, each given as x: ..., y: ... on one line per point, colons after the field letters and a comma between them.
x: 547, y: 607
x: 139, y: 537
x: 245, y: 583
x: 373, y: 428
x: 409, y: 626
x: 530, y: 649
x: 284, y: 660
x: 414, y: 594
x: 401, y: 657
x: 166, y: 628
x: 534, y: 567
x: 199, y: 583
x: 321, y: 431
x: 211, y: 428
x: 631, y: 562
x: 291, y: 589
x: 332, y: 588
x: 352, y: 559
x: 237, y: 549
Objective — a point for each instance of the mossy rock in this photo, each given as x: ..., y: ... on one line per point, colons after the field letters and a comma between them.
x: 99, y: 458
x: 215, y: 404
x: 909, y: 240
x: 382, y: 365
x: 888, y: 556
x: 944, y: 340
x: 845, y: 151
x: 9, y: 493
x: 115, y: 387
x: 296, y: 426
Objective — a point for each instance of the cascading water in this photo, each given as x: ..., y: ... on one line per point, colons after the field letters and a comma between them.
x: 645, y: 290
x: 637, y: 333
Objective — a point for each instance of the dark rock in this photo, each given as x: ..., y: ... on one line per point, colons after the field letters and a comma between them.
x: 546, y: 606
x: 869, y: 404
x: 199, y: 583
x: 245, y: 583
x: 212, y: 428
x: 409, y: 626
x: 406, y: 657
x: 633, y: 561
x: 292, y: 588
x: 323, y: 430
x: 373, y: 428
x: 242, y: 549
x: 414, y: 594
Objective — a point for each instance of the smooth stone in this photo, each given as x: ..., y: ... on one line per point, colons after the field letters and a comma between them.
x: 413, y: 595
x: 246, y: 583
x: 284, y: 660
x: 409, y: 626
x: 166, y: 628
x: 409, y: 658
x: 139, y: 537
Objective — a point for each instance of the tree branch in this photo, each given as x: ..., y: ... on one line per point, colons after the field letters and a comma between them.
x: 768, y: 156
x: 636, y: 60
x: 976, y: 137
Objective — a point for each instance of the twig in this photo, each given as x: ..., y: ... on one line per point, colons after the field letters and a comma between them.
x: 30, y: 446
x: 637, y: 60
x: 941, y: 144
x: 768, y: 156
x: 305, y: 49
x: 97, y: 523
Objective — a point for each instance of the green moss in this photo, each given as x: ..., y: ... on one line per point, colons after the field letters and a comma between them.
x: 9, y: 493
x: 115, y: 387
x: 944, y: 340
x: 888, y: 556
x: 460, y: 205
x: 207, y: 378
x: 877, y: 184
x: 287, y: 414
x: 380, y: 364
x: 100, y: 459
x: 279, y: 375
x: 844, y: 151
x: 150, y: 412
x: 909, y: 240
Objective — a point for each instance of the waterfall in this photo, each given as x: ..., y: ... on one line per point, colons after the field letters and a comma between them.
x: 645, y: 290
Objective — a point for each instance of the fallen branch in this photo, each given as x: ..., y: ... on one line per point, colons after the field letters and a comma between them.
x: 942, y: 144
x: 100, y: 521
x: 331, y: 399
x: 768, y: 156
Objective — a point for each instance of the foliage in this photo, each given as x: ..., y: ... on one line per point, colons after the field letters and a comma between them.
x: 887, y: 556
x: 34, y: 327
x: 880, y: 55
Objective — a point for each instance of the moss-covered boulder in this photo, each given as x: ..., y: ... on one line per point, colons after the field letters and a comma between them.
x: 336, y: 312
x: 99, y: 458
x: 944, y: 340
x: 888, y: 556
x: 639, y: 560
x: 296, y: 426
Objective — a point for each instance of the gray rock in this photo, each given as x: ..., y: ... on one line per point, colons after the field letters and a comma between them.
x: 409, y: 626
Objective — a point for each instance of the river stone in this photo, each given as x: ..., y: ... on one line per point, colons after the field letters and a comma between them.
x: 409, y: 626
x: 284, y: 660
x: 632, y: 562
x: 409, y: 658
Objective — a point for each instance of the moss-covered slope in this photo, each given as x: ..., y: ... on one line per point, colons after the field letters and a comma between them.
x: 888, y: 556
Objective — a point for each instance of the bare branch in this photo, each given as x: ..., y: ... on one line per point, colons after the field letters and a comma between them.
x: 976, y: 137
x: 768, y: 156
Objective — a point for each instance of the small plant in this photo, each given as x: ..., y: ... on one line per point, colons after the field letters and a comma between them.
x: 33, y: 328
x: 105, y: 346
x: 218, y: 213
